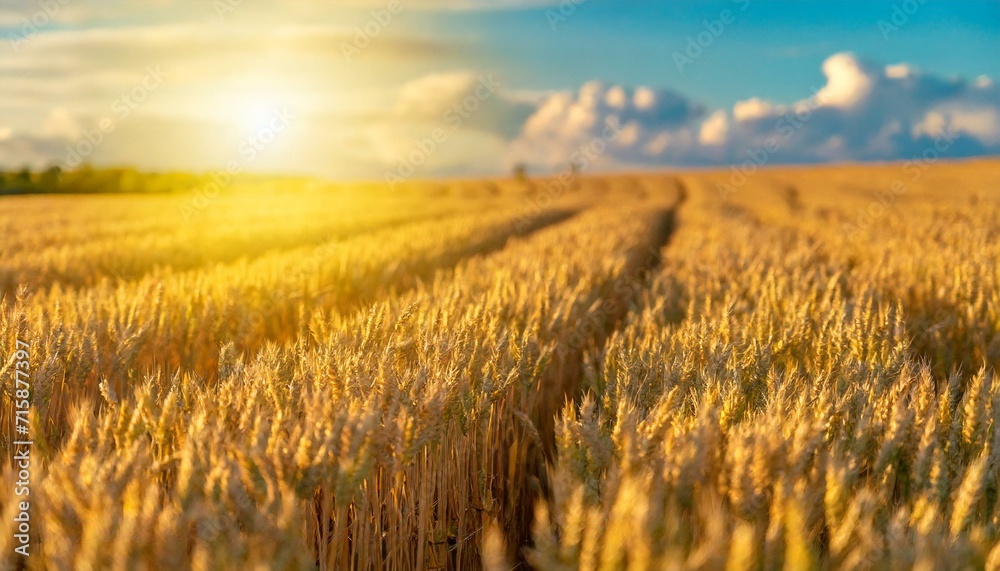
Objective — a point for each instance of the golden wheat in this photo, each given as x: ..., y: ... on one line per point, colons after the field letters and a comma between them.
x: 620, y: 373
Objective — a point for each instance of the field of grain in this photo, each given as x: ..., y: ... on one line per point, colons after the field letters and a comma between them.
x: 674, y: 371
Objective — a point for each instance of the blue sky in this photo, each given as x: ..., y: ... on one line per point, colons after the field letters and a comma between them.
x: 773, y: 49
x: 563, y: 75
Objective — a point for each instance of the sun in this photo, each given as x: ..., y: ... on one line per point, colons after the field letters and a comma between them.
x: 258, y: 112
x: 251, y: 104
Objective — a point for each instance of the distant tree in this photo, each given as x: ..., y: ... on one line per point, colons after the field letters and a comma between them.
x: 24, y: 176
x: 51, y: 179
x: 574, y: 172
x: 521, y: 172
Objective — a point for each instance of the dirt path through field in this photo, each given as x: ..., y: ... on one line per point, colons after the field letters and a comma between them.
x: 561, y: 381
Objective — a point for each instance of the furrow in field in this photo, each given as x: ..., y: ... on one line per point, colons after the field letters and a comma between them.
x: 791, y: 392
x: 510, y: 453
x: 380, y: 435
x: 761, y: 401
x: 395, y: 277
x: 37, y: 222
x: 85, y: 264
x: 111, y: 336
x: 563, y: 378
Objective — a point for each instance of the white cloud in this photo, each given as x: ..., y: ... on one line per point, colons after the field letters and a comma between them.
x: 980, y: 123
x: 60, y: 124
x: 848, y: 81
x: 714, y: 129
x: 863, y: 112
x: 644, y: 98
x: 463, y: 100
x: 566, y: 121
x: 753, y: 108
x: 19, y: 150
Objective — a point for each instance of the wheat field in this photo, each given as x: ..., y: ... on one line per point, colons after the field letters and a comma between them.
x: 655, y: 371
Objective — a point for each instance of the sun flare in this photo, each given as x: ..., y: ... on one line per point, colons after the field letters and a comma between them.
x: 252, y: 104
x: 258, y: 113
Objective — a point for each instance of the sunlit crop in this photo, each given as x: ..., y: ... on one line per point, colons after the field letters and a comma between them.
x: 628, y: 372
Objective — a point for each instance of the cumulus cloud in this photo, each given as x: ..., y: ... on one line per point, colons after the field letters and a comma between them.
x: 450, y: 123
x: 862, y: 112
x: 715, y: 129
x: 21, y: 150
x: 60, y: 124
x: 463, y: 100
x: 645, y: 122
